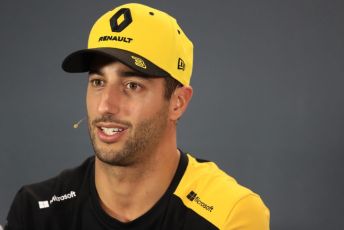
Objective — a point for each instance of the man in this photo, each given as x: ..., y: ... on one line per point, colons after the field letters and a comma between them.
x: 139, y: 63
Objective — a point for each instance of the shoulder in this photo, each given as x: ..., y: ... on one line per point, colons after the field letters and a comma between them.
x: 34, y: 199
x: 216, y: 196
x: 68, y: 180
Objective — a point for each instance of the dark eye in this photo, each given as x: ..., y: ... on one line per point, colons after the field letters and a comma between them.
x: 97, y: 82
x: 132, y: 86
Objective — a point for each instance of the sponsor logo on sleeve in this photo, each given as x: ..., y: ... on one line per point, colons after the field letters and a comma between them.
x: 192, y: 196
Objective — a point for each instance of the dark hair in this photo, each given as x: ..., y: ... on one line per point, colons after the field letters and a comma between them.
x: 170, y: 86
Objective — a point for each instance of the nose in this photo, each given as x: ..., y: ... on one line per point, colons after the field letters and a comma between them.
x: 109, y: 101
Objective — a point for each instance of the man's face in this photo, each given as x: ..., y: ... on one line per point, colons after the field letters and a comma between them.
x: 127, y: 113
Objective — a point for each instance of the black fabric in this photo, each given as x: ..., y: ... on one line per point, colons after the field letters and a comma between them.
x: 80, y: 61
x: 83, y: 210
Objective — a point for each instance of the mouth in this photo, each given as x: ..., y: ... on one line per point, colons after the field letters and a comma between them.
x: 110, y: 133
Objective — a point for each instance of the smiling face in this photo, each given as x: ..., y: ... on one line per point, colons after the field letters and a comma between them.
x: 127, y: 113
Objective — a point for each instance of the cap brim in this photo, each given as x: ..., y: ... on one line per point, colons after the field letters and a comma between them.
x: 79, y: 61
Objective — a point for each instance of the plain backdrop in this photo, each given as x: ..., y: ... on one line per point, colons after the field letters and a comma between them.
x: 267, y: 106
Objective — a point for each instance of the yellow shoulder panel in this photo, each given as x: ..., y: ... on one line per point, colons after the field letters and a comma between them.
x: 210, y: 192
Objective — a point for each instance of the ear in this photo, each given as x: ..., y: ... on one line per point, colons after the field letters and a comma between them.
x: 179, y: 101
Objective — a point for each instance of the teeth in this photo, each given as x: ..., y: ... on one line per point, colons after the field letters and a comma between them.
x: 111, y: 131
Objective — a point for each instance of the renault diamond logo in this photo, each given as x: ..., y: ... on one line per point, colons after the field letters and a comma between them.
x: 120, y: 20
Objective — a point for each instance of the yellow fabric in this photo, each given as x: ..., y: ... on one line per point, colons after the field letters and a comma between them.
x: 249, y: 213
x: 221, y: 200
x: 153, y: 34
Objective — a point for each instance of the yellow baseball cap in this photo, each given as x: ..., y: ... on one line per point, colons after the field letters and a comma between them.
x: 145, y: 39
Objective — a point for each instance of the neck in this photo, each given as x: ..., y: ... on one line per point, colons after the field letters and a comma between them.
x: 128, y: 192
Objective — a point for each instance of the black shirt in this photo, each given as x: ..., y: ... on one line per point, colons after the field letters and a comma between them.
x: 70, y: 201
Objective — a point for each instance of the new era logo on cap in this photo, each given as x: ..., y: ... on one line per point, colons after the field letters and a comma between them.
x: 181, y: 64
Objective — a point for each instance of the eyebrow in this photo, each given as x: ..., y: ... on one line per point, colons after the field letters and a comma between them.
x: 122, y: 73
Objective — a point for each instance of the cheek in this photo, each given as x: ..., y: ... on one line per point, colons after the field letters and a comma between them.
x: 90, y: 103
x: 132, y: 111
x: 147, y: 107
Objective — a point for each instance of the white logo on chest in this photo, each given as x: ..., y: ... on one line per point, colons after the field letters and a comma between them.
x: 46, y: 204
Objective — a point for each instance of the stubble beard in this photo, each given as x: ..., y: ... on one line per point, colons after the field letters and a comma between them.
x: 141, y: 143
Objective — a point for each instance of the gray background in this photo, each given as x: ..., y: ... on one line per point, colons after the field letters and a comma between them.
x: 267, y: 107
